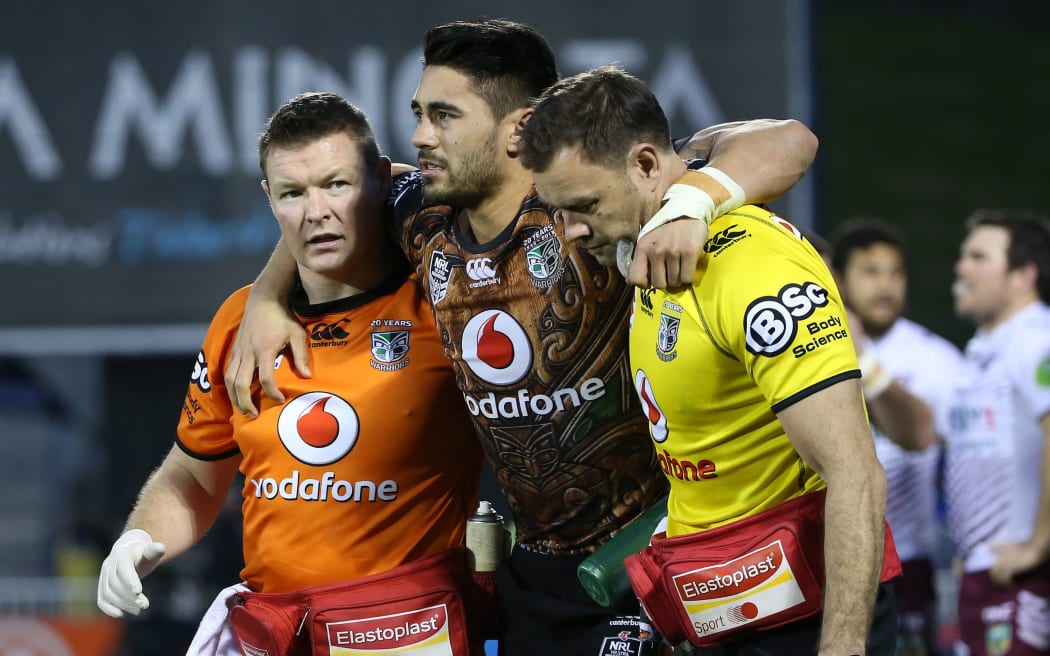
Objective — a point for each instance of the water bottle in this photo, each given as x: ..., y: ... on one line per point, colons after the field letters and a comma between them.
x: 486, y: 538
x: 602, y: 574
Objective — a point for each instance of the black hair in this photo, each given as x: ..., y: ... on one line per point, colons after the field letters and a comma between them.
x: 604, y: 111
x: 313, y: 115
x: 508, y: 63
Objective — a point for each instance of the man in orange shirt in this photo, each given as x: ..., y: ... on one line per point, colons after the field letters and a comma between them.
x: 333, y: 471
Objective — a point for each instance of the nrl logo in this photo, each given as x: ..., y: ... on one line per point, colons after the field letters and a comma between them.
x: 439, y: 274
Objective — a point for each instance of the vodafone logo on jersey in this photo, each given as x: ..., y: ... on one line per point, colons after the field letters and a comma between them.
x: 786, y: 225
x: 318, y: 428
x: 496, y: 348
x: 656, y: 416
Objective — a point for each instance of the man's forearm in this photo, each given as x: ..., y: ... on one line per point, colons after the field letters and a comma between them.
x: 1041, y: 531
x: 903, y: 417
x: 853, y: 545
x: 277, y: 278
x: 766, y: 157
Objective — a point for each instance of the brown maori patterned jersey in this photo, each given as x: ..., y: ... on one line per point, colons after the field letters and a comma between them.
x: 536, y: 331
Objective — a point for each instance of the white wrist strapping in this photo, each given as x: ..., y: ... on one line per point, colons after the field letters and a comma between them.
x: 874, y: 379
x: 737, y: 197
x: 686, y: 201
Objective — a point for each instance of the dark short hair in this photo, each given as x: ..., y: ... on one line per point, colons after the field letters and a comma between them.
x: 508, y: 63
x: 860, y: 234
x: 604, y: 111
x: 1029, y: 232
x: 313, y: 115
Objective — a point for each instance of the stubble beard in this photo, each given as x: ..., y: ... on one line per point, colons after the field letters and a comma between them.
x: 478, y: 178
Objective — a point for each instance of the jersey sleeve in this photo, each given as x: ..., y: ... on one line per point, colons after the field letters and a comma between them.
x: 1028, y: 362
x: 403, y: 203
x: 205, y: 430
x: 943, y: 369
x: 778, y: 310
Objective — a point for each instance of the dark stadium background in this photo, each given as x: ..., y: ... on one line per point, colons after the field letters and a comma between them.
x: 925, y: 110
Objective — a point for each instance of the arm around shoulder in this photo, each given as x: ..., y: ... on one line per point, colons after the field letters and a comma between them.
x: 766, y: 157
x: 266, y: 328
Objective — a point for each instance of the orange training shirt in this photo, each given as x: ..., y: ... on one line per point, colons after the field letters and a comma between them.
x: 370, y: 464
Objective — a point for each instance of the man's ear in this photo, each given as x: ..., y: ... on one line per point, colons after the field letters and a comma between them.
x: 518, y: 118
x: 265, y: 184
x: 1027, y: 276
x: 644, y: 162
x: 383, y: 173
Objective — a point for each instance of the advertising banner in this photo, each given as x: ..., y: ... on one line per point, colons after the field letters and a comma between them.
x: 130, y: 204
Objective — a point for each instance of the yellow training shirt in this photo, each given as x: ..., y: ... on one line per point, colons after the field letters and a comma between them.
x: 762, y: 327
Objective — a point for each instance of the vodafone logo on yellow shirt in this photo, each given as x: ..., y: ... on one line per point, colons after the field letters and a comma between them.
x: 657, y: 418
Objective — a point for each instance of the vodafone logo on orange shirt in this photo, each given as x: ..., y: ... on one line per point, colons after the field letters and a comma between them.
x: 425, y: 629
x: 318, y: 428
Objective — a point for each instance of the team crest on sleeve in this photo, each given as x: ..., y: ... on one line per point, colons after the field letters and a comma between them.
x: 771, y: 322
x: 200, y: 373
x: 543, y: 256
x: 1042, y: 373
x: 439, y: 273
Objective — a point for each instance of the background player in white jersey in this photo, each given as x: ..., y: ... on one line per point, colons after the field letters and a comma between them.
x: 750, y: 384
x: 997, y: 461
x: 908, y: 372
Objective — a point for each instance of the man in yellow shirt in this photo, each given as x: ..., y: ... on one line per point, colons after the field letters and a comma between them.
x: 750, y: 382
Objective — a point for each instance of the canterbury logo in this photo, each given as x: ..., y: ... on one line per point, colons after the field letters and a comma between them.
x: 647, y: 298
x: 723, y: 238
x: 480, y: 269
x: 328, y: 331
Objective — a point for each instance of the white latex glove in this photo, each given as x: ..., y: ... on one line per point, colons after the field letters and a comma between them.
x: 133, y: 556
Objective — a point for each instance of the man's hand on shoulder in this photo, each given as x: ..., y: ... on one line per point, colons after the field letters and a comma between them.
x: 666, y: 258
x: 265, y: 331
